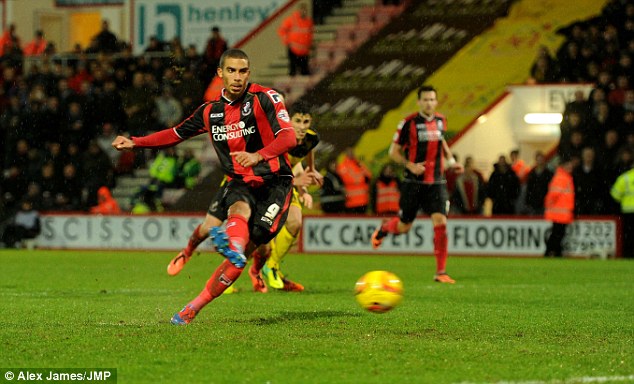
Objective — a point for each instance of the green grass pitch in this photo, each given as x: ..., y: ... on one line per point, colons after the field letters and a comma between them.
x: 505, y: 320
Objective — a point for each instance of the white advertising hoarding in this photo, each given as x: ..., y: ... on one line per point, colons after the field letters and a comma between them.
x: 327, y: 234
x: 117, y: 232
x: 477, y: 236
x: 192, y: 20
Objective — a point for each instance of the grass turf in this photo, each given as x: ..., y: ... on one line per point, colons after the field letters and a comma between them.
x: 506, y: 319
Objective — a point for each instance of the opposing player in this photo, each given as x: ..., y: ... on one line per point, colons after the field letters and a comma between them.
x: 251, y: 133
x: 420, y: 146
x: 307, y: 140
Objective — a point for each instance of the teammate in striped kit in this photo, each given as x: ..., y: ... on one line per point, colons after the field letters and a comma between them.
x: 251, y: 133
x: 419, y: 145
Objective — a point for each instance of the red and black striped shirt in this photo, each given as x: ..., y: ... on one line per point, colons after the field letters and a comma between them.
x: 421, y: 140
x: 250, y: 123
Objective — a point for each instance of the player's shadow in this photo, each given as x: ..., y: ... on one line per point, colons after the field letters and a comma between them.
x: 286, y: 317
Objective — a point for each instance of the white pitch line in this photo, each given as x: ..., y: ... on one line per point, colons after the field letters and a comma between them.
x: 574, y: 380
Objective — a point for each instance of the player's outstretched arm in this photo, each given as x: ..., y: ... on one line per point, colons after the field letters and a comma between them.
x: 122, y: 143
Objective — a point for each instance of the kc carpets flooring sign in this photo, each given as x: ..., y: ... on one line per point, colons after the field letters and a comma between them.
x: 478, y: 236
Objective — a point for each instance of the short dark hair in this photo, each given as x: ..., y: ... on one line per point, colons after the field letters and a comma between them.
x: 426, y: 88
x: 233, y: 53
x: 300, y: 107
x: 215, y: 29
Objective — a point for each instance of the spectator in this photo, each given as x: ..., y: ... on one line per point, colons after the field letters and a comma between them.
x: 24, y: 225
x: 155, y: 45
x: 537, y: 186
x: 578, y: 105
x: 49, y: 186
x: 107, y: 205
x: 168, y: 108
x: 105, y: 40
x: 76, y: 130
x: 96, y: 172
x: 607, y: 151
x: 10, y: 48
x: 451, y: 174
x: 188, y: 169
x: 296, y: 33
x: 573, y: 147
x: 574, y: 121
x: 146, y: 202
x: 470, y: 191
x: 69, y: 196
x: 13, y: 185
x: 109, y: 105
x: 356, y: 180
x: 104, y: 140
x: 590, y: 185
x: 333, y: 193
x: 139, y: 104
x: 37, y: 46
x: 216, y: 46
x: 503, y: 188
x: 559, y: 206
x: 164, y: 170
x: 518, y: 165
x: 544, y: 69
x: 385, y: 193
x: 189, y: 92
x: 623, y: 192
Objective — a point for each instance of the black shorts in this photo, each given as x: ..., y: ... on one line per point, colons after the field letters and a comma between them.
x: 216, y: 208
x: 429, y: 198
x: 269, y: 205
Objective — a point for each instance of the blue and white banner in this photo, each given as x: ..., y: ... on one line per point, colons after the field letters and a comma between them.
x: 192, y: 20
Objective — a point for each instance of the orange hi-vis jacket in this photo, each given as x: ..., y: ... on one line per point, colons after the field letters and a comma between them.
x: 387, y: 197
x: 297, y: 33
x: 355, y: 177
x: 560, y: 199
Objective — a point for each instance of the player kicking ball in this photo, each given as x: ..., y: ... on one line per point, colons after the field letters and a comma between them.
x: 307, y: 140
x: 250, y: 131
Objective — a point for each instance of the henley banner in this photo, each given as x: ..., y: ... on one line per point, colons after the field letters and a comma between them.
x: 192, y: 20
x: 327, y: 234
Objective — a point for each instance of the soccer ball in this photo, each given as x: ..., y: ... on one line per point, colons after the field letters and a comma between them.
x: 379, y: 291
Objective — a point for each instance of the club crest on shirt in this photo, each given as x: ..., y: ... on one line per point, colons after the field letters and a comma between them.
x: 283, y: 115
x: 246, y: 108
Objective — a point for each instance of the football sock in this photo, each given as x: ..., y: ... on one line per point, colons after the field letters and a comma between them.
x: 194, y: 240
x: 238, y: 232
x: 390, y: 226
x: 280, y: 247
x: 440, y: 247
x: 222, y: 279
x: 258, y: 261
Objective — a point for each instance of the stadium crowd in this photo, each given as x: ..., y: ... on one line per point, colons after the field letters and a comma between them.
x: 60, y: 112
